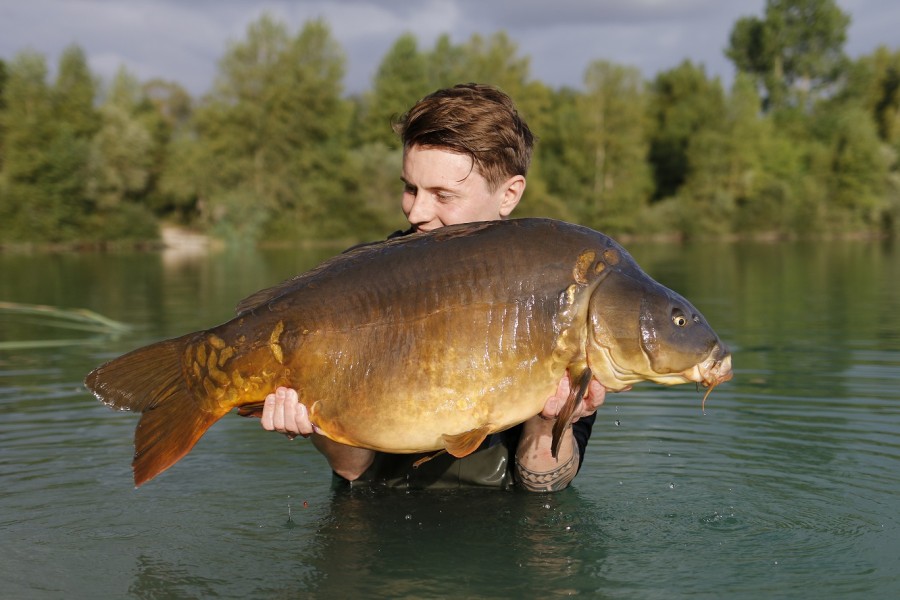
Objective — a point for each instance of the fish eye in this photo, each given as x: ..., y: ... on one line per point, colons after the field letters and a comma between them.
x: 679, y: 320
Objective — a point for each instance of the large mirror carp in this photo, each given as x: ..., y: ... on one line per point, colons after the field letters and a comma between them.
x: 427, y: 342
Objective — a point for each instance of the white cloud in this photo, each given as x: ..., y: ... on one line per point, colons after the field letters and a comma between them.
x: 183, y: 41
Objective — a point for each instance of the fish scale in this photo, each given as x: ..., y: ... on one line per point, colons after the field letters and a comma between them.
x: 427, y: 342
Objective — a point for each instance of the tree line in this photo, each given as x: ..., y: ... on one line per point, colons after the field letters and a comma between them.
x: 804, y: 143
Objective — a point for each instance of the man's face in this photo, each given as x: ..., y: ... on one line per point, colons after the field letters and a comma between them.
x: 442, y: 188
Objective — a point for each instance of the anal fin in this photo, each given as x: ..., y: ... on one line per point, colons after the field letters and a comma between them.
x: 463, y: 444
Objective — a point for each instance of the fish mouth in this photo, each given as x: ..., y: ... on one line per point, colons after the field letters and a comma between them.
x: 711, y: 372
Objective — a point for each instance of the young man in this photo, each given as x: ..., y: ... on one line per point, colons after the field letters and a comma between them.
x: 466, y: 153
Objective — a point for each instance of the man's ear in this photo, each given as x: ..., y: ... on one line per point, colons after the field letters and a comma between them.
x: 512, y: 191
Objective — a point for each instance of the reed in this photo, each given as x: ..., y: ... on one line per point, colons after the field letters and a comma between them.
x: 79, y: 319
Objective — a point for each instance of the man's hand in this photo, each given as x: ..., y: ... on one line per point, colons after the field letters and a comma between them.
x: 592, y: 400
x: 536, y: 468
x: 283, y: 412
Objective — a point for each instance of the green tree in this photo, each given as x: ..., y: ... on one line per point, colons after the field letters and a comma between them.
x: 401, y: 80
x: 724, y: 166
x: 317, y: 117
x: 29, y: 210
x: 74, y: 94
x: 4, y: 76
x: 683, y: 103
x: 76, y: 121
x: 122, y: 152
x: 243, y: 135
x: 760, y: 168
x: 373, y: 191
x: 446, y: 64
x: 374, y: 159
x: 556, y: 182
x: 874, y: 82
x: 620, y: 180
x: 272, y: 135
x: 52, y: 155
x: 858, y: 169
x: 795, y: 51
x: 495, y: 60
x: 169, y: 109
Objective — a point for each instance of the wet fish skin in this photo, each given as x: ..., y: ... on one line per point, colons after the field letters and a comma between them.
x: 427, y: 342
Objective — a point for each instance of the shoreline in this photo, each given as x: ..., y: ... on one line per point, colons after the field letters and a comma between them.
x: 181, y: 241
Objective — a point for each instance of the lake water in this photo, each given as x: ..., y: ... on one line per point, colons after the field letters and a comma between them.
x: 787, y: 487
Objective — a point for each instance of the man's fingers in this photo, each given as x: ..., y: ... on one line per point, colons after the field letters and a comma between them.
x: 555, y: 402
x: 283, y: 412
x: 279, y: 416
x: 596, y: 395
x: 297, y: 418
x: 268, y: 413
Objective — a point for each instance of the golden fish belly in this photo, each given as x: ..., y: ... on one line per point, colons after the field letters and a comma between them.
x: 401, y: 384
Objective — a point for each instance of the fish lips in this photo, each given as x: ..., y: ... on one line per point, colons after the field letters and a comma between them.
x: 714, y: 370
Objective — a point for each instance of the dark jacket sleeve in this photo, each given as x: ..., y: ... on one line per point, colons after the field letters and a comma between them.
x: 581, y: 429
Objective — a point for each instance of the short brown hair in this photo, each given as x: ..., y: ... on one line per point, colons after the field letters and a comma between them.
x: 473, y: 119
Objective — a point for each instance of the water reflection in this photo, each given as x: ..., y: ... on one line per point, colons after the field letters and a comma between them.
x: 384, y: 543
x: 787, y: 486
x: 156, y: 577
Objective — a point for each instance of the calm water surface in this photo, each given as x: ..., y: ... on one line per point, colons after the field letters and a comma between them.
x: 787, y: 487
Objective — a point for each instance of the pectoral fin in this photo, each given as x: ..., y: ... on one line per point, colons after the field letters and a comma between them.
x: 463, y: 444
x: 573, y: 403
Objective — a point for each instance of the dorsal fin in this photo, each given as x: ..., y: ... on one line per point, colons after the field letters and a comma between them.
x: 265, y: 296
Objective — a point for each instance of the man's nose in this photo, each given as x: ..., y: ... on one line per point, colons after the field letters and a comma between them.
x: 422, y: 210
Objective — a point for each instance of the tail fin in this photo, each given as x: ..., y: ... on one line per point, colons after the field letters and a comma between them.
x: 151, y: 380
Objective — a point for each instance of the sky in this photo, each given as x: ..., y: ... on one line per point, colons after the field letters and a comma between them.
x: 183, y: 40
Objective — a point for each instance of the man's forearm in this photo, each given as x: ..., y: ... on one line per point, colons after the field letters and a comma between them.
x: 536, y: 469
x: 347, y: 461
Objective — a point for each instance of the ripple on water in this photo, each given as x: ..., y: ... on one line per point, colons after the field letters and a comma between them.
x: 787, y: 486
x: 762, y: 480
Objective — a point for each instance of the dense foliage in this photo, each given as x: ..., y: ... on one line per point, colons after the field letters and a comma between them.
x: 805, y: 142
